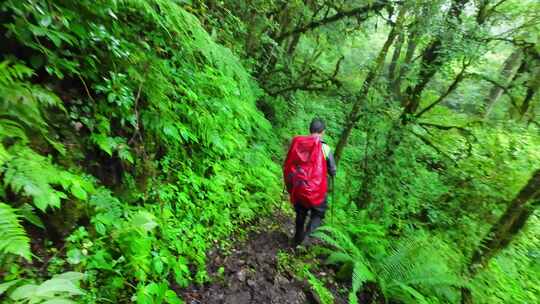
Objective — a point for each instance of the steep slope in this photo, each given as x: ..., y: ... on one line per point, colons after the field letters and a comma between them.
x: 127, y: 121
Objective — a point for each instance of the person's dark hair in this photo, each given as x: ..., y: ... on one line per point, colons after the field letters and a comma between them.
x: 316, y: 126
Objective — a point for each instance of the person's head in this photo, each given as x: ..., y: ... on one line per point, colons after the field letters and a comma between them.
x: 316, y: 126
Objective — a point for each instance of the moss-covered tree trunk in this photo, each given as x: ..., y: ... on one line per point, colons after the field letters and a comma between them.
x: 508, y: 225
x: 431, y: 61
x: 374, y: 71
x: 506, y: 228
x: 509, y: 69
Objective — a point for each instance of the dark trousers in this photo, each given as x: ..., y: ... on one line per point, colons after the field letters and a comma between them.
x: 316, y: 217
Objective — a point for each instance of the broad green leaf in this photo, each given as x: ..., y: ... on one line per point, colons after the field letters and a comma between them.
x: 24, y: 291
x: 74, y: 256
x: 6, y: 285
x: 172, y: 298
x: 72, y: 276
x: 54, y: 286
x: 144, y: 220
x: 59, y: 301
x: 78, y: 191
x: 27, y: 211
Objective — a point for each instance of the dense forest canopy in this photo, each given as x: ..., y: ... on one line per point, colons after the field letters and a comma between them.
x: 138, y: 135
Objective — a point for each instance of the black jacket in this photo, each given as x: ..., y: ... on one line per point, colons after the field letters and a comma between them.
x: 330, y: 162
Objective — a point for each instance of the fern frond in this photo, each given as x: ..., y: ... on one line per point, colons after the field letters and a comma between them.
x: 337, y: 238
x: 417, y: 265
x: 325, y: 235
x: 337, y: 257
x: 34, y: 175
x: 361, y: 274
x: 418, y: 297
x: 346, y: 251
x: 10, y: 128
x: 11, y: 72
x: 4, y: 155
x: 14, y: 239
x: 22, y: 103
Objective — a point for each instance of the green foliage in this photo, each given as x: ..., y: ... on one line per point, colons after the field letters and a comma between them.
x: 35, y: 176
x: 60, y: 289
x: 288, y: 264
x: 325, y: 296
x: 417, y: 269
x: 511, y: 276
x: 347, y: 253
x: 160, y: 115
x: 132, y: 132
x: 22, y: 103
x: 14, y: 239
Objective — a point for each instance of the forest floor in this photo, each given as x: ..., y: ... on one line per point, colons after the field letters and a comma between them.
x: 252, y: 271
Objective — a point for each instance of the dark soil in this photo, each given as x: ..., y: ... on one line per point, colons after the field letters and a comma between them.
x: 249, y: 273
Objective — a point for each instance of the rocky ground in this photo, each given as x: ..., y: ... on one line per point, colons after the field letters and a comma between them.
x: 249, y: 272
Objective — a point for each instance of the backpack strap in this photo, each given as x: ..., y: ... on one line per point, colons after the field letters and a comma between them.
x: 326, y: 150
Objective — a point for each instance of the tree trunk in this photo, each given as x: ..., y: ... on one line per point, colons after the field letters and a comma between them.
x: 411, y: 48
x: 459, y: 78
x: 532, y: 84
x: 393, y: 69
x: 430, y: 63
x: 504, y: 231
x: 354, y: 116
x: 508, y: 225
x: 526, y: 104
x: 508, y: 71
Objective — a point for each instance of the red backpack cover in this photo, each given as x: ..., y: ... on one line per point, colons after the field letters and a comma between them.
x: 305, y: 171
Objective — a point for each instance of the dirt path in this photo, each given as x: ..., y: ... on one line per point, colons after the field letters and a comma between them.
x: 249, y: 274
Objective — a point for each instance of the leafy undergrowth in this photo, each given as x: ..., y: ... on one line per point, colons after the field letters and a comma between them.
x: 133, y: 142
x: 130, y: 141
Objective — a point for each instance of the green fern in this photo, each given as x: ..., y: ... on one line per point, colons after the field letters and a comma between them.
x: 325, y: 295
x: 410, y: 269
x: 22, y: 105
x: 33, y: 175
x: 22, y: 102
x: 349, y: 255
x: 11, y: 72
x: 14, y: 239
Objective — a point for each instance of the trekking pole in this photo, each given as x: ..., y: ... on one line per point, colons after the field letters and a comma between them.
x: 283, y: 196
x: 333, y: 199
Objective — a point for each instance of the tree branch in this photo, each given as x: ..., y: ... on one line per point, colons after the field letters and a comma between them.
x: 495, y: 83
x: 450, y: 89
x: 443, y: 127
x: 305, y: 82
x: 463, y: 131
x: 426, y: 141
x: 376, y: 6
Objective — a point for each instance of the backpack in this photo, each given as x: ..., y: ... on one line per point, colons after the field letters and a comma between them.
x: 304, y: 171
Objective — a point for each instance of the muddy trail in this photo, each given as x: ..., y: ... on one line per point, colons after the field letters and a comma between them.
x: 249, y: 272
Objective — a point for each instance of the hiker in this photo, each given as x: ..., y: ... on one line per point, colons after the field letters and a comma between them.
x: 308, y: 163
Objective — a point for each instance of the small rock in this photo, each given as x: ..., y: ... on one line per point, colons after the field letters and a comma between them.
x: 238, y: 298
x: 280, y: 280
x: 251, y: 283
x: 295, y: 297
x: 241, y: 275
